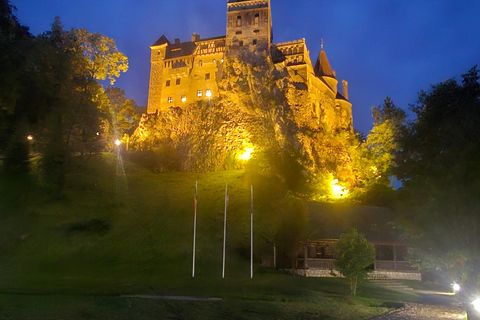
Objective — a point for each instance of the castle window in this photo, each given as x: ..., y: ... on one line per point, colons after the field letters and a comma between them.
x: 240, y: 43
x: 184, y: 98
x: 255, y: 41
x: 208, y: 93
x: 239, y: 21
x: 199, y: 93
x: 256, y: 19
x: 207, y: 76
x: 177, y: 81
x: 170, y: 99
x: 256, y: 31
x: 167, y: 84
x: 200, y: 63
x: 238, y: 32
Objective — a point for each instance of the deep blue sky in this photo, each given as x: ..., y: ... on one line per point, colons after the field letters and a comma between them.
x: 381, y: 47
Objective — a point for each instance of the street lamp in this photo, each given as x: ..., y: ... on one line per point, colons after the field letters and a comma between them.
x: 118, y: 142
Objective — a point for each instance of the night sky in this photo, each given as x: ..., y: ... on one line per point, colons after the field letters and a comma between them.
x: 381, y: 47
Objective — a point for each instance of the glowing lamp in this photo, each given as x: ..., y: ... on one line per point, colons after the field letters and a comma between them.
x: 118, y: 142
x: 338, y: 191
x: 246, y: 155
x: 456, y: 287
x: 29, y: 137
x: 184, y: 98
x: 208, y: 93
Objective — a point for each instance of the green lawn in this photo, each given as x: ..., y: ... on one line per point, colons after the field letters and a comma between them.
x: 115, y: 235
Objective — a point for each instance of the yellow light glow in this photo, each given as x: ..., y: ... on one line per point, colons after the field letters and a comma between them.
x: 184, y: 99
x: 338, y: 191
x: 29, y: 137
x: 208, y: 93
x: 118, y: 142
x: 246, y: 155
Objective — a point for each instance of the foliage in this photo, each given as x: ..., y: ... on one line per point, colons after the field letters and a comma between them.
x: 354, y: 254
x: 439, y: 165
x: 101, y: 55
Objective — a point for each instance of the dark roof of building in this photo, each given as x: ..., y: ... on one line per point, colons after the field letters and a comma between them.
x: 322, y: 67
x: 176, y: 50
x: 340, y: 96
x: 331, y: 220
x: 160, y: 41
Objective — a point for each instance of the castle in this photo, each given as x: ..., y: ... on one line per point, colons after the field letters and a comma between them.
x: 185, y: 72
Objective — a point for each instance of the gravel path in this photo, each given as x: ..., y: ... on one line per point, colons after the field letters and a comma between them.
x: 416, y: 311
x: 434, y: 307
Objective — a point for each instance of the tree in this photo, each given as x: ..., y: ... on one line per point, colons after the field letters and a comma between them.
x: 123, y: 112
x: 439, y: 165
x: 354, y: 254
x: 101, y: 54
x: 382, y: 140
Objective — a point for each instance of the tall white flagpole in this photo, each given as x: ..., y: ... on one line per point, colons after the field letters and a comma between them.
x: 251, y: 232
x: 194, y: 228
x: 224, y: 229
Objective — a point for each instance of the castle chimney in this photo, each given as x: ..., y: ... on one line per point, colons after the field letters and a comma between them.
x: 177, y: 40
x: 195, y: 37
x: 345, y: 89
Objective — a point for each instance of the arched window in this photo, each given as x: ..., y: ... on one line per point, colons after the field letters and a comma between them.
x: 256, y: 19
x: 239, y: 21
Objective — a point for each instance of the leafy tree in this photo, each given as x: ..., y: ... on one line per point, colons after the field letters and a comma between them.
x: 382, y: 140
x: 101, y: 54
x: 123, y: 112
x: 439, y: 165
x: 354, y: 254
x: 15, y: 89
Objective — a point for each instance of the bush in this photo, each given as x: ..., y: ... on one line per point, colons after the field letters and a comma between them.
x: 354, y: 255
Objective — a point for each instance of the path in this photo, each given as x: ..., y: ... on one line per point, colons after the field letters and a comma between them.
x: 434, y: 306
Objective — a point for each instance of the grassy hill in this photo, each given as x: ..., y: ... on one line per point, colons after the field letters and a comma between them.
x: 123, y: 230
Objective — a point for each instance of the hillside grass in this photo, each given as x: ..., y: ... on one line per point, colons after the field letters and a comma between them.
x: 122, y: 230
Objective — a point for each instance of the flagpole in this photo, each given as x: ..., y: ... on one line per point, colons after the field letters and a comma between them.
x: 194, y: 228
x: 251, y: 232
x: 224, y: 230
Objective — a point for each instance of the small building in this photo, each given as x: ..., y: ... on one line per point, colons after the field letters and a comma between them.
x: 379, y: 225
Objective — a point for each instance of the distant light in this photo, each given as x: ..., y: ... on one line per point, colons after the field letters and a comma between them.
x: 98, y: 133
x: 118, y: 142
x: 456, y: 287
x: 222, y: 60
x: 476, y: 304
x: 246, y: 155
x: 184, y: 98
x: 338, y: 191
x: 29, y: 137
x: 208, y: 93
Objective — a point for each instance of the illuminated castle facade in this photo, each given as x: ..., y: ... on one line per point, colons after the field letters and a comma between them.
x: 186, y: 72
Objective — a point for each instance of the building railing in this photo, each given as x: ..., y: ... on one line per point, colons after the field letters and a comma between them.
x: 380, y: 265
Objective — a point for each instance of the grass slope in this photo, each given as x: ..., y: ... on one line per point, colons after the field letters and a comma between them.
x: 123, y: 230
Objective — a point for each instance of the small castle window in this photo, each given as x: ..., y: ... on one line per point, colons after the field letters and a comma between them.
x: 200, y: 63
x: 238, y: 32
x: 240, y: 43
x: 177, y: 81
x: 256, y: 31
x: 256, y: 19
x: 208, y: 93
x: 255, y: 41
x: 239, y: 21
x: 199, y: 93
x: 167, y: 84
x: 170, y: 99
x: 207, y: 76
x: 184, y: 98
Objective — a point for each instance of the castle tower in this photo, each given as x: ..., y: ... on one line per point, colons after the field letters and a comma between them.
x: 158, y: 51
x: 249, y: 25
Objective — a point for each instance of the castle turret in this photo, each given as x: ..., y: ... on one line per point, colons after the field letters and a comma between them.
x: 324, y: 71
x: 158, y: 50
x: 249, y: 25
